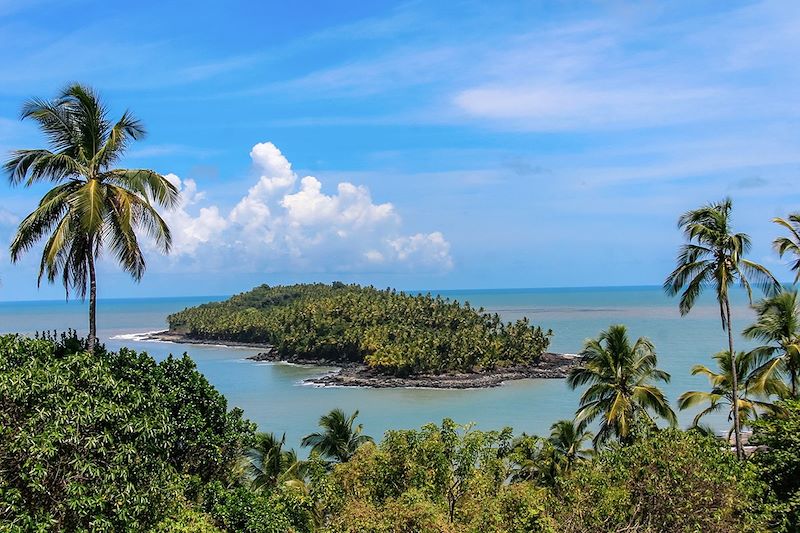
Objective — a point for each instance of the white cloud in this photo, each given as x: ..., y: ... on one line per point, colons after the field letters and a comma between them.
x: 650, y: 68
x: 423, y: 248
x: 283, y: 223
x: 191, y: 232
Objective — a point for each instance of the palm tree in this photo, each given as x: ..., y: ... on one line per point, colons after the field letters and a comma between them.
x: 778, y: 322
x: 620, y: 378
x: 755, y: 390
x: 339, y: 440
x: 567, y: 438
x: 714, y: 257
x: 92, y: 204
x: 790, y: 244
x: 268, y: 464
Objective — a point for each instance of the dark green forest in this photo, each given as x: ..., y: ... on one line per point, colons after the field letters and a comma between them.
x: 391, y: 331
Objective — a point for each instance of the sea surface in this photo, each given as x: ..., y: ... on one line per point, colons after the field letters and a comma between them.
x: 272, y: 394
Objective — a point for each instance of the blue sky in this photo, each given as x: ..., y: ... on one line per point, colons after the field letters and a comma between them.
x: 423, y: 145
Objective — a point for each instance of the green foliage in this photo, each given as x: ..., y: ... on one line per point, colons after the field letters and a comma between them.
x: 268, y: 464
x: 790, y: 245
x: 755, y: 387
x: 449, y: 469
x: 517, y: 508
x: 778, y: 323
x: 239, y: 509
x: 98, y: 441
x: 778, y: 460
x: 186, y: 519
x: 390, y: 331
x: 412, y: 511
x: 81, y: 440
x: 339, y: 440
x: 620, y: 378
x: 206, y: 439
x: 668, y: 480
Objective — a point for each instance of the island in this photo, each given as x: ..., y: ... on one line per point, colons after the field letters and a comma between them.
x: 374, y: 337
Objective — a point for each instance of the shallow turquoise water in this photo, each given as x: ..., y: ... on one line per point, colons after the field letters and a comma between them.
x: 271, y: 396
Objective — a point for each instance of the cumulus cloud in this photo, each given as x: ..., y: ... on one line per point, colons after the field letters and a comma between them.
x: 286, y: 222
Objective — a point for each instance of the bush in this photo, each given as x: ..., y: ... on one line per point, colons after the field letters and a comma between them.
x: 779, y: 462
x: 241, y: 509
x: 97, y: 441
x: 205, y: 438
x: 411, y: 512
x: 669, y: 480
x: 438, y: 478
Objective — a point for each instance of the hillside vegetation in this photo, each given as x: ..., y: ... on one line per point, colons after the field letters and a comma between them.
x: 116, y: 441
x: 391, y: 331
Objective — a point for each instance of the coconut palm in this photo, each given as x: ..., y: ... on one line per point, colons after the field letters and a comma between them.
x: 268, y: 464
x: 532, y: 458
x: 790, y: 244
x: 754, y: 391
x: 92, y: 205
x: 339, y: 440
x: 714, y: 257
x: 778, y: 323
x: 620, y: 378
x: 568, y: 438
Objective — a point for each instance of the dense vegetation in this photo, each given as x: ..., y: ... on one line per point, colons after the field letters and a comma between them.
x: 118, y: 442
x: 106, y: 441
x: 388, y: 330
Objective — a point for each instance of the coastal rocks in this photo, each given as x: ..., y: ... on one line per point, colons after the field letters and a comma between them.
x: 550, y: 366
x: 272, y: 355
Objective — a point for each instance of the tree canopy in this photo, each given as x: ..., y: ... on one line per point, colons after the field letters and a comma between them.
x: 390, y: 331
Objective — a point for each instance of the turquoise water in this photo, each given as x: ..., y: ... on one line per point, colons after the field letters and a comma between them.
x: 271, y: 395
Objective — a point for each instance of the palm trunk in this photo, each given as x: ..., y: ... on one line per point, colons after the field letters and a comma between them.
x: 737, y: 430
x: 92, y: 304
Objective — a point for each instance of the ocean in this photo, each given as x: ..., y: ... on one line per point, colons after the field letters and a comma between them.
x: 272, y: 394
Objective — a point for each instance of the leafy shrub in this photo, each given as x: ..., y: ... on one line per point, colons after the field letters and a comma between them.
x: 435, y: 475
x: 243, y: 510
x: 779, y: 462
x: 668, y: 480
x: 97, y: 441
x: 411, y: 512
x: 205, y: 438
x: 81, y: 440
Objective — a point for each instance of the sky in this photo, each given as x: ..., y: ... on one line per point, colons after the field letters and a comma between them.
x: 421, y: 145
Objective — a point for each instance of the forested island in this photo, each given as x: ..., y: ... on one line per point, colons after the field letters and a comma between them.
x: 380, y: 338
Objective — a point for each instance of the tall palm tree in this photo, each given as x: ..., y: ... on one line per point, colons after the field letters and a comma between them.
x: 778, y: 323
x: 753, y: 394
x: 620, y: 378
x: 268, y: 464
x: 790, y: 244
x: 339, y: 440
x: 568, y: 438
x: 92, y: 204
x: 714, y: 257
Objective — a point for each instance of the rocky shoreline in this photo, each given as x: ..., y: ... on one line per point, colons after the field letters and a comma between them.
x: 549, y: 366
